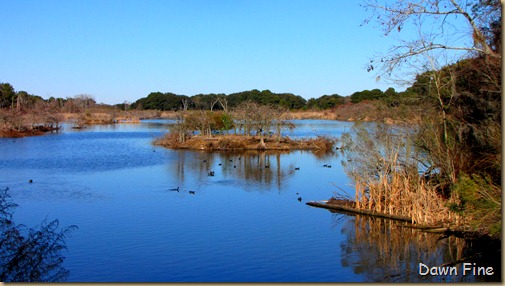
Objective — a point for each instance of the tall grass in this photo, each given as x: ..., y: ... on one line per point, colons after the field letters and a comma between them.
x: 388, y: 173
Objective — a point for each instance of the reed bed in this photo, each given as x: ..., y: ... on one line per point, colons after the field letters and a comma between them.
x: 389, y: 178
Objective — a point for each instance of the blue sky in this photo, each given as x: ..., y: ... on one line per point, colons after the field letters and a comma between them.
x: 123, y: 50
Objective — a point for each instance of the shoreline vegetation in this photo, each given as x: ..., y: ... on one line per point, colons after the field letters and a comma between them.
x: 22, y: 123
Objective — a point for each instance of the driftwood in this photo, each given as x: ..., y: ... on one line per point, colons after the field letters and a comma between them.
x: 348, y: 209
x: 457, y: 231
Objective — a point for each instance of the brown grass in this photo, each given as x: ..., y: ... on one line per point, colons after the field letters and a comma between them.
x: 383, y: 164
x: 242, y: 142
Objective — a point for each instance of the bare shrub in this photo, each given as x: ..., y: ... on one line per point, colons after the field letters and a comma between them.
x: 385, y: 166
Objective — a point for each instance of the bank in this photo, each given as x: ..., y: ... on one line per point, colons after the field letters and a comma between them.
x: 234, y: 142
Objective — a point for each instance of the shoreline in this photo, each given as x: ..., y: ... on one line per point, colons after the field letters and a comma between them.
x: 243, y: 142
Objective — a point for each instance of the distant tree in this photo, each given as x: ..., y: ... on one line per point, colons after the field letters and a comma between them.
x: 223, y: 101
x: 7, y: 95
x: 366, y: 95
x: 185, y: 103
x: 159, y: 101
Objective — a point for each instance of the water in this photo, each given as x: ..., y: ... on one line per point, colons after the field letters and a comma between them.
x: 244, y: 224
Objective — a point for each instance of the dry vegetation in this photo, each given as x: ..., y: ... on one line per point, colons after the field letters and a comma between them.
x: 385, y: 167
x: 243, y: 142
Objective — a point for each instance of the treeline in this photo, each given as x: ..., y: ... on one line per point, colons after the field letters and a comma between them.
x: 23, y: 114
x: 221, y: 101
x: 24, y: 101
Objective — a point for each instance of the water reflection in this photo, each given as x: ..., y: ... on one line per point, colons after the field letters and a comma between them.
x: 387, y: 251
x: 265, y: 168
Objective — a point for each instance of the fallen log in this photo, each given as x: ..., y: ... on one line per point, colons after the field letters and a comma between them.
x: 457, y: 231
x: 348, y: 209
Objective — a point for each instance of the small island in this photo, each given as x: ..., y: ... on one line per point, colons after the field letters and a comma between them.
x: 250, y: 126
x: 233, y: 142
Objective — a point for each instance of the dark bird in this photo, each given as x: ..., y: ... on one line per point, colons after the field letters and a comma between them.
x: 192, y: 192
x: 239, y: 158
x: 220, y: 164
x: 299, y: 199
x: 297, y: 168
x: 297, y: 193
x: 211, y: 174
x: 30, y: 181
x: 267, y: 166
x: 175, y: 189
x: 329, y: 166
x: 325, y: 165
x: 235, y: 166
x: 204, y: 161
x: 231, y: 160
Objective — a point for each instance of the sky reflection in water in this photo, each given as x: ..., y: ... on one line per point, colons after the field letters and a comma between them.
x: 244, y: 224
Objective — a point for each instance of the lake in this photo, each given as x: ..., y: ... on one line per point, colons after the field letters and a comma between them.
x: 246, y: 223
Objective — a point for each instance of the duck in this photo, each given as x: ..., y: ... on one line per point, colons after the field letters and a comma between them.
x: 192, y: 192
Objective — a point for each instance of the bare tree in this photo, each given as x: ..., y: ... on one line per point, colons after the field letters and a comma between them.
x: 85, y: 101
x: 213, y: 102
x: 223, y: 101
x: 256, y: 117
x: 456, y: 27
x: 126, y: 104
x: 185, y: 103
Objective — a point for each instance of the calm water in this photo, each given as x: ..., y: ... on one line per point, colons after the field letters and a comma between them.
x: 244, y: 224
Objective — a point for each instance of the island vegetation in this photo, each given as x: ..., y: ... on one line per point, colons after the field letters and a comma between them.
x: 249, y: 126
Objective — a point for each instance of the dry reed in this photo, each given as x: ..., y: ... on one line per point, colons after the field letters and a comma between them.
x: 386, y: 171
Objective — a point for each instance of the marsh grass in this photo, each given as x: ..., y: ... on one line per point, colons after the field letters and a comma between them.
x: 385, y: 167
